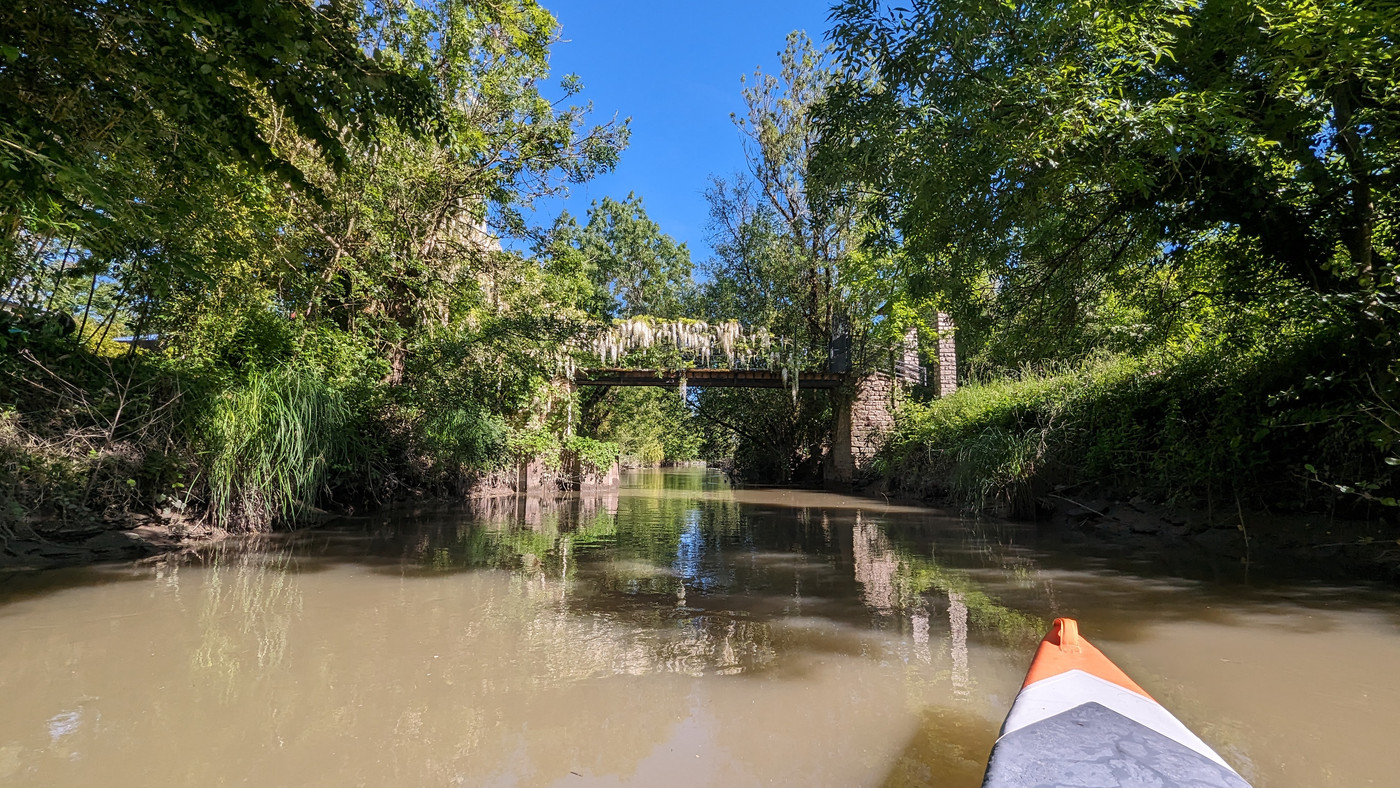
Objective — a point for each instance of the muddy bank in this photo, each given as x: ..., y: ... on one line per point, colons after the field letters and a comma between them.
x: 131, y: 539
x: 132, y: 536
x: 1318, y: 545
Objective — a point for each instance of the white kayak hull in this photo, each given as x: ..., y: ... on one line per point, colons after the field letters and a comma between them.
x: 1079, y: 721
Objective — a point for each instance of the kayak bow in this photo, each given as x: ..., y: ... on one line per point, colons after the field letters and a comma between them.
x: 1080, y: 721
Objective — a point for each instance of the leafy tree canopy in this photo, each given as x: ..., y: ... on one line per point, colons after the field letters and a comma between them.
x: 632, y: 267
x: 1042, y: 151
x: 95, y: 91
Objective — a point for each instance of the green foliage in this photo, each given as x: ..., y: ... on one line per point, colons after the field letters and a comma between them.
x: 593, y: 455
x: 786, y: 258
x: 778, y: 250
x: 631, y: 268
x: 1167, y: 233
x: 1173, y: 271
x: 116, y: 118
x: 407, y: 249
x: 323, y: 271
x: 471, y: 439
x: 649, y: 426
x: 1187, y: 426
x: 767, y: 434
x: 684, y: 442
x: 271, y: 442
x: 534, y: 443
x: 1048, y: 160
x: 236, y: 338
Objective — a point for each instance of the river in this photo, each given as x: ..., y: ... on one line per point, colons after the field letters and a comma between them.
x: 674, y: 632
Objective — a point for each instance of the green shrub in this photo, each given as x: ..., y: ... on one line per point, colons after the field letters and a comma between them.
x: 650, y: 425
x: 593, y: 455
x: 531, y: 443
x: 1191, y: 424
x: 472, y: 439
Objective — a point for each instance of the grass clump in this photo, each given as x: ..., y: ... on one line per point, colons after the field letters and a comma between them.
x: 272, y: 441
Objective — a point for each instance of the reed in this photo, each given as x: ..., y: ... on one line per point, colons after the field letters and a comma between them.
x: 272, y: 441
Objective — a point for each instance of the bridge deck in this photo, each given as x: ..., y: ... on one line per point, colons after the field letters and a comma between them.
x: 701, y: 378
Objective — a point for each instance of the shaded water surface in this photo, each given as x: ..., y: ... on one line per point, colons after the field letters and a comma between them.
x: 674, y: 633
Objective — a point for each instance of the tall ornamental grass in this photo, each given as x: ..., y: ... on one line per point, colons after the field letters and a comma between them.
x: 272, y: 441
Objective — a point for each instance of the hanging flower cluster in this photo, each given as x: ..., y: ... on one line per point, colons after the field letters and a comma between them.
x: 736, y: 346
x: 728, y: 340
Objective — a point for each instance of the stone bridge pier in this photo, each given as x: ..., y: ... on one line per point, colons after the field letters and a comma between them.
x: 865, y: 408
x: 864, y: 419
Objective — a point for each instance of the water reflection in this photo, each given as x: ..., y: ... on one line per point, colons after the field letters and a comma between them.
x: 957, y: 637
x: 249, y: 601
x: 701, y: 580
x: 673, y: 632
x: 876, y: 565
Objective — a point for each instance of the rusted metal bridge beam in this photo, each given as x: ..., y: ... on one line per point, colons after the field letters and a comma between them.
x: 702, y: 378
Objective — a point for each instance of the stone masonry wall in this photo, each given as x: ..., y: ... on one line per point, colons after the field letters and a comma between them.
x: 863, y: 421
x: 865, y: 414
x: 581, y: 477
x: 907, y: 363
x: 945, y: 373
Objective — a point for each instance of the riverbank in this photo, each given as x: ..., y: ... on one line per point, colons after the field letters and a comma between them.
x: 1320, y: 546
x: 134, y: 538
x: 114, y: 454
x: 1314, y: 545
x: 1223, y: 448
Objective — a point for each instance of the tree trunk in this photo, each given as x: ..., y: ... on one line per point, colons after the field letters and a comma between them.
x: 1359, y: 228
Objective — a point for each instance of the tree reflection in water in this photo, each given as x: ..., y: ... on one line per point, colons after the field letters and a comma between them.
x: 588, y: 601
x: 698, y: 580
x: 249, y: 600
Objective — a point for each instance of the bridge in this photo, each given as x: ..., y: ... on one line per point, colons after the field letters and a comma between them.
x: 707, y: 378
x: 864, y: 401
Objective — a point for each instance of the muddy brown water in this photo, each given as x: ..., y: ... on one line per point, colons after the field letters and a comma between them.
x: 675, y: 632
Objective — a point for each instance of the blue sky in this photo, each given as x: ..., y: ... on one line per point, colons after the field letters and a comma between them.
x: 674, y: 68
